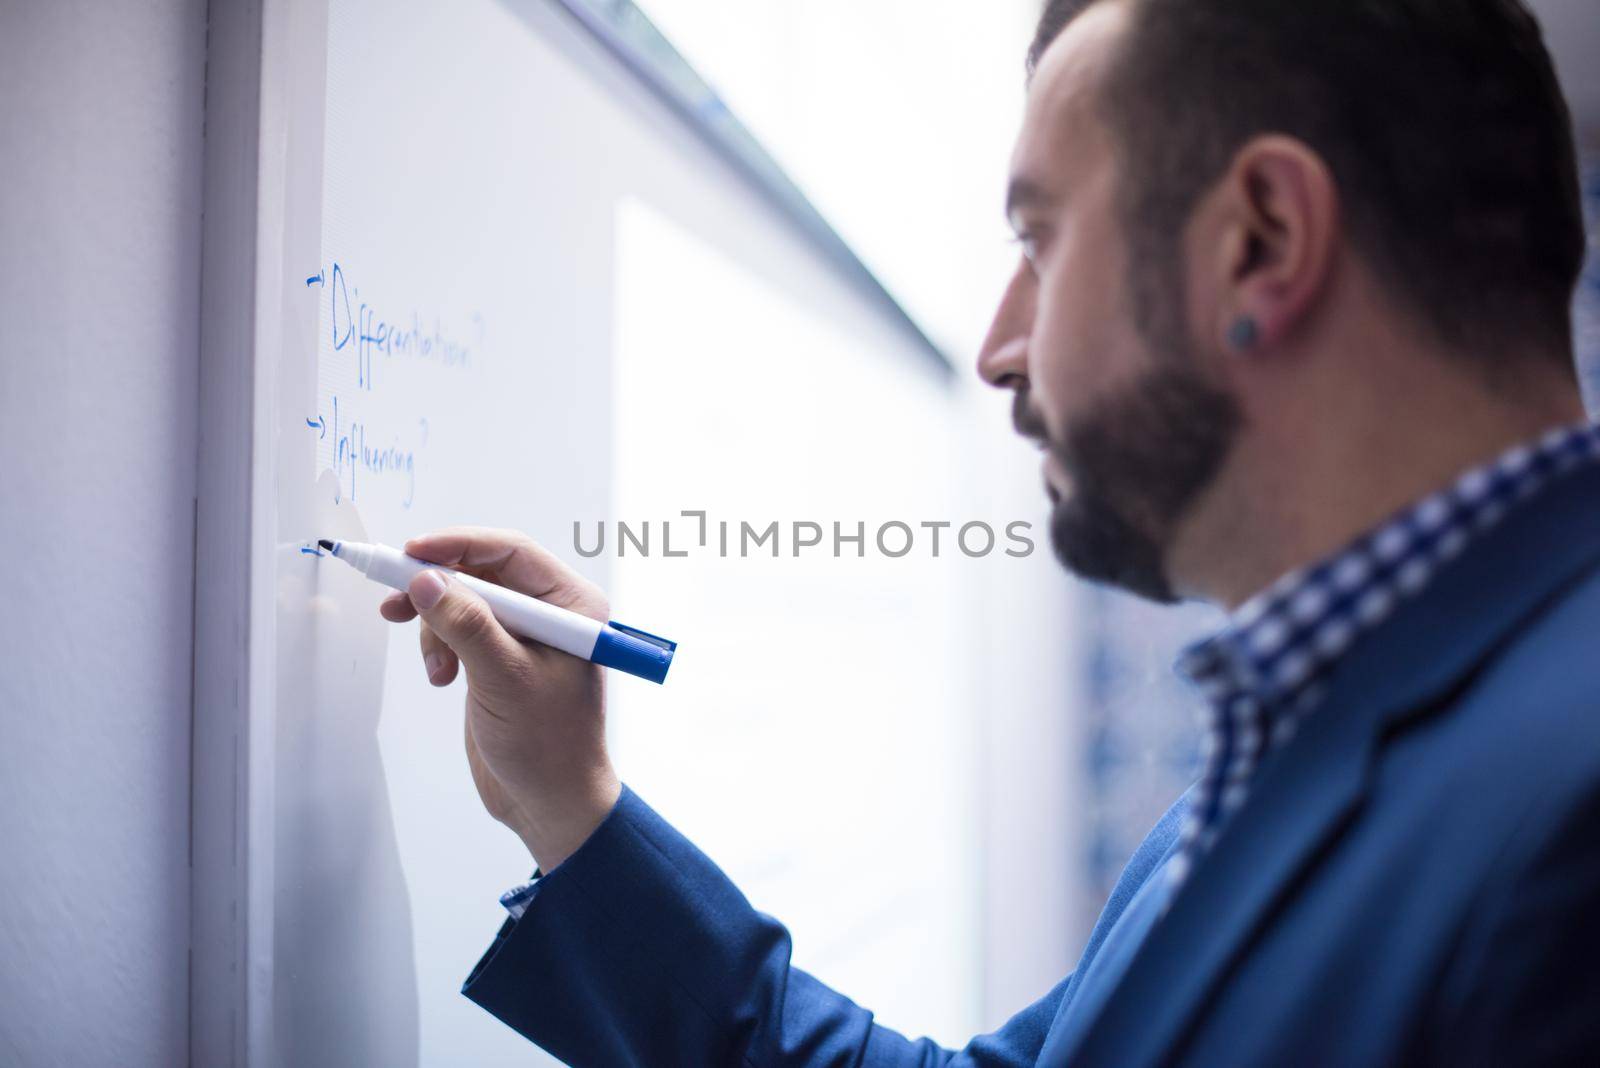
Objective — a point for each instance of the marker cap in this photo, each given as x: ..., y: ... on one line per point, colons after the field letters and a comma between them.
x: 633, y: 651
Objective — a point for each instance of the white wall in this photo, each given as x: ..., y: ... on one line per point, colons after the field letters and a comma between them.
x: 100, y: 134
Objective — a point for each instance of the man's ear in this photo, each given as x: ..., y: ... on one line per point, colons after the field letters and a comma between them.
x: 1281, y: 222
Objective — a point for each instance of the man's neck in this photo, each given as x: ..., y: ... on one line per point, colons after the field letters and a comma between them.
x: 1301, y: 485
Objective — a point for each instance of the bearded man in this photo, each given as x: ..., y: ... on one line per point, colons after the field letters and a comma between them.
x: 1291, y: 327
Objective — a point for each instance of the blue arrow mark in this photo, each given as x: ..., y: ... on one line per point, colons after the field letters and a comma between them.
x: 315, y: 280
x: 319, y: 424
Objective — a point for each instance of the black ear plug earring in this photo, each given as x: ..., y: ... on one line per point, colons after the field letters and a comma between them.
x: 1244, y: 333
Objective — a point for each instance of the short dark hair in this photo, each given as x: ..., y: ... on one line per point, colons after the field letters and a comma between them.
x: 1442, y: 122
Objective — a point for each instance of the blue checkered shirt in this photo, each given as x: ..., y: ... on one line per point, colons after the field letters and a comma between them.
x: 518, y: 898
x: 1267, y: 670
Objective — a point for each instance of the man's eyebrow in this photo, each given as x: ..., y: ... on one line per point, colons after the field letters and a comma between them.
x: 1022, y: 193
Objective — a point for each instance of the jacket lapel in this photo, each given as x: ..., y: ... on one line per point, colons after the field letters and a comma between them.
x: 1307, y: 793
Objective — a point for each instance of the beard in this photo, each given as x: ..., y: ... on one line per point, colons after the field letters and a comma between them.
x: 1138, y: 463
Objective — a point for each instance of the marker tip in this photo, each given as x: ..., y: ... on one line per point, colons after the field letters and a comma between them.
x: 325, y: 543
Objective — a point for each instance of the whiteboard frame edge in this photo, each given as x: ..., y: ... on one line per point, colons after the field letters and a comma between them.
x: 222, y: 532
x: 732, y: 142
x: 248, y: 70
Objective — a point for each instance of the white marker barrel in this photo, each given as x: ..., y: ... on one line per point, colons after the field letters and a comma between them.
x: 609, y: 644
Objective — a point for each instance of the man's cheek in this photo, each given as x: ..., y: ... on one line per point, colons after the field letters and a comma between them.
x: 1051, y: 381
x: 1064, y: 374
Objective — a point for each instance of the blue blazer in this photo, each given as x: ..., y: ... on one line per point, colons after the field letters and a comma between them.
x: 1414, y: 880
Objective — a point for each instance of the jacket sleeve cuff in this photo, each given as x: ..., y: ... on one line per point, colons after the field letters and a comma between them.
x: 635, y: 941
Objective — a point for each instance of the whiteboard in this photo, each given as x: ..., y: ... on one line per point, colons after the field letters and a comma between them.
x: 493, y: 278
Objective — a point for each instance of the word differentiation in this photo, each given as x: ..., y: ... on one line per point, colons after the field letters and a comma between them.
x: 358, y: 324
x: 359, y: 448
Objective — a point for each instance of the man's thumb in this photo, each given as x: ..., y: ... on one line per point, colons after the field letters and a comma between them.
x: 461, y: 619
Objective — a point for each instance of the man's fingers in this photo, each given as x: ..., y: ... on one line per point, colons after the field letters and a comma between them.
x: 438, y: 660
x: 512, y: 559
x: 440, y: 663
x: 397, y: 608
x: 459, y: 618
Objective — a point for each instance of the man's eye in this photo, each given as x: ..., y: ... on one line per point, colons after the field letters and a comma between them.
x: 1029, y: 244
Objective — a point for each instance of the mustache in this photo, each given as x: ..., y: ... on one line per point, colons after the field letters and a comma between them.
x: 1027, y: 420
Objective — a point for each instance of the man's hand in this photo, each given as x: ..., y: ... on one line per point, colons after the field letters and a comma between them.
x: 535, y: 719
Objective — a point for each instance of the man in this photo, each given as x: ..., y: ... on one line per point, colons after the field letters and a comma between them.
x: 1291, y: 326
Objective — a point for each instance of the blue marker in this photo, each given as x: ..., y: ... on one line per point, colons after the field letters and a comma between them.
x: 610, y: 645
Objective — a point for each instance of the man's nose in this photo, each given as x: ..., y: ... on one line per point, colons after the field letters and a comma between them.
x: 1005, y: 365
x: 1003, y: 359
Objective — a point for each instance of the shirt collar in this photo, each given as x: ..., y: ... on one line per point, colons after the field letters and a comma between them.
x: 1278, y: 646
x: 1267, y: 669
